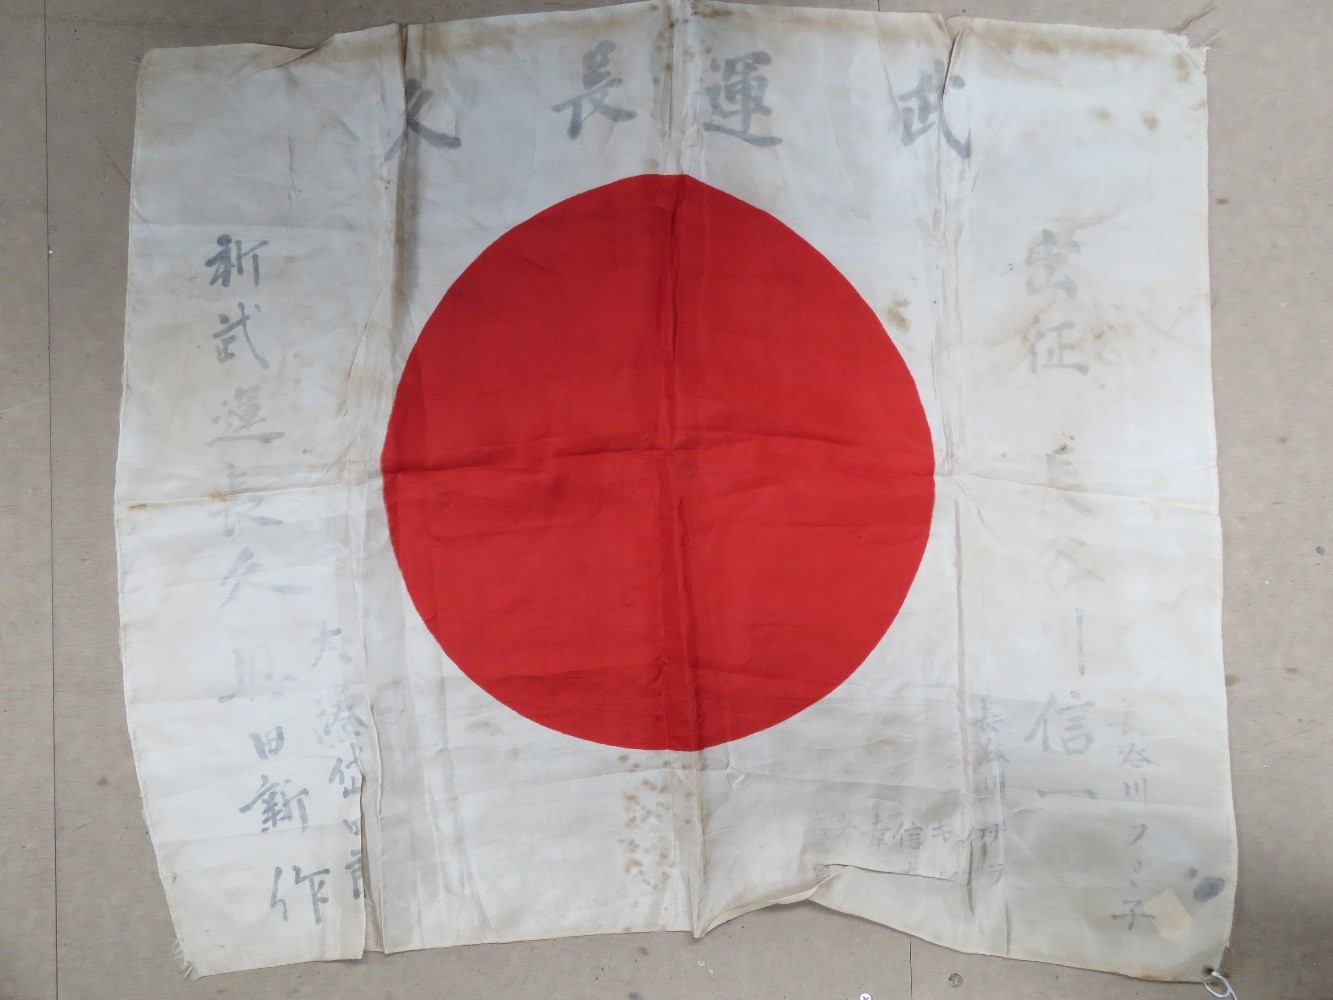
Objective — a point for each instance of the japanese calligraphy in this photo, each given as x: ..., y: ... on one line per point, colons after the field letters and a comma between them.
x: 1052, y: 347
x: 1046, y: 263
x: 240, y: 511
x: 230, y: 259
x: 1133, y: 915
x: 598, y: 82
x: 739, y: 96
x: 244, y: 566
x: 240, y: 414
x: 314, y: 881
x: 347, y: 774
x: 277, y: 805
x: 923, y: 110
x: 416, y: 97
x: 326, y: 643
x: 1071, y: 733
x: 269, y: 744
x: 254, y: 677
x: 356, y: 867
x: 1064, y: 568
x: 988, y: 725
x: 227, y: 336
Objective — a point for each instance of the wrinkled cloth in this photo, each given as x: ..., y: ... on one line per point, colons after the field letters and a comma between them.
x: 1006, y: 224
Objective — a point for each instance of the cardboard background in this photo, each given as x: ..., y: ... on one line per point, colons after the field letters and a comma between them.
x: 86, y: 915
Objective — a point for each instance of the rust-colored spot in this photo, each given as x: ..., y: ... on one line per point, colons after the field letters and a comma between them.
x: 138, y: 506
x: 1232, y: 679
x: 219, y: 495
x: 894, y: 315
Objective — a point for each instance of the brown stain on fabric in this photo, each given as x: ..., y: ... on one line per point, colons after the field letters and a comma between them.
x: 1183, y: 67
x: 1151, y: 120
x: 1232, y: 680
x: 1060, y: 41
x: 894, y: 315
x: 647, y: 844
x: 1103, y: 113
x: 1113, y: 343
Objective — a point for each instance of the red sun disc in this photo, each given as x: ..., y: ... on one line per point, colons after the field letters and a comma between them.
x: 656, y: 476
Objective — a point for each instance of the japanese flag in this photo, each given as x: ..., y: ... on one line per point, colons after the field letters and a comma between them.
x: 609, y: 472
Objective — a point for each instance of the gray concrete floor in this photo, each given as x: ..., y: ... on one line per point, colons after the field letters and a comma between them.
x: 84, y: 914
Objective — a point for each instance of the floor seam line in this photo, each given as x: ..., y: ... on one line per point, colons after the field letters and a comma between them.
x: 51, y: 502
